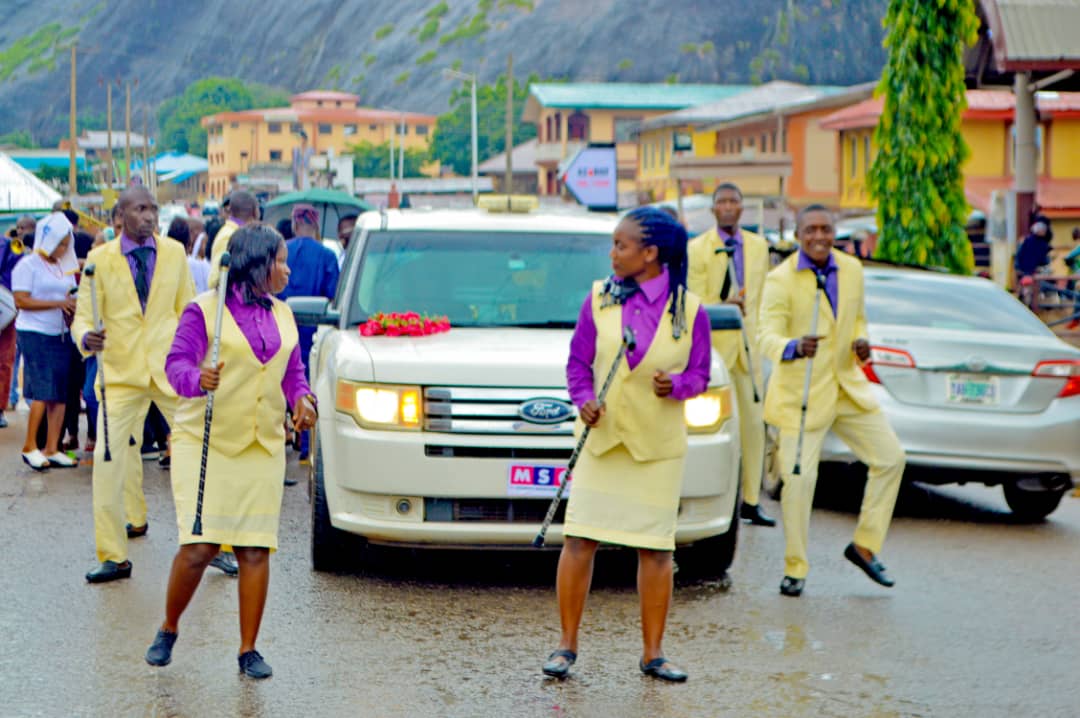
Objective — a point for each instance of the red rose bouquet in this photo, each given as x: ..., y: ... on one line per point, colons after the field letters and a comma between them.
x: 403, y: 324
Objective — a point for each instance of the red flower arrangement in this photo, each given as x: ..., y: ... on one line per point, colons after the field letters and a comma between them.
x: 403, y: 324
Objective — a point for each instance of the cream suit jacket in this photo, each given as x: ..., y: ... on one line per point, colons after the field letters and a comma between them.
x: 136, y: 343
x: 786, y: 314
x: 705, y: 278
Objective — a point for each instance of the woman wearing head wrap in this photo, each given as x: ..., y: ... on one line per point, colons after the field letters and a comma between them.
x: 43, y: 285
x: 626, y: 485
x: 259, y: 375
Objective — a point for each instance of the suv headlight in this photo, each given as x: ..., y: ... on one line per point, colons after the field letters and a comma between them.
x: 707, y: 412
x: 381, y: 406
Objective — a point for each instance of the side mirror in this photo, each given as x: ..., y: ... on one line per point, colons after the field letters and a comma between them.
x: 723, y: 317
x: 312, y: 311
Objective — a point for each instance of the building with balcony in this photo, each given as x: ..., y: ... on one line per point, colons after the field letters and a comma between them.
x: 989, y: 129
x: 318, y: 122
x: 570, y: 115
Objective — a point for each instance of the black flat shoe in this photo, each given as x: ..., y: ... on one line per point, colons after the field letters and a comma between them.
x: 109, y: 571
x: 290, y: 482
x: 165, y: 462
x: 160, y: 651
x: 660, y: 668
x: 137, y: 531
x: 873, y: 568
x: 792, y: 586
x: 252, y: 665
x: 557, y: 668
x: 754, y: 514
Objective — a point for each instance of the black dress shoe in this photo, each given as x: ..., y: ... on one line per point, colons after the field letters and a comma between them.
x: 792, y: 586
x: 137, y: 531
x: 754, y: 514
x: 160, y: 651
x: 226, y: 563
x: 660, y: 668
x: 873, y: 568
x: 109, y: 571
x: 252, y: 665
x: 557, y: 668
x: 290, y: 482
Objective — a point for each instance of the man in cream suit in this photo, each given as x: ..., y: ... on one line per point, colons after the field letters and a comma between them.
x: 729, y: 264
x: 142, y: 286
x: 840, y: 397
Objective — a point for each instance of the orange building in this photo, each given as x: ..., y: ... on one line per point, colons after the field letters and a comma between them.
x: 987, y: 127
x: 768, y: 140
x: 317, y: 121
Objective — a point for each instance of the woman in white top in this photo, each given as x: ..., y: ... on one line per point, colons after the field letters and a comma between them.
x: 43, y: 284
x: 180, y: 230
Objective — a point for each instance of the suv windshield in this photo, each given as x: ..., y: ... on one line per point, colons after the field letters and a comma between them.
x: 974, y: 306
x: 480, y: 279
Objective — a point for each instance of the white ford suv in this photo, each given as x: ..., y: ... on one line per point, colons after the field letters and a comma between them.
x: 459, y: 439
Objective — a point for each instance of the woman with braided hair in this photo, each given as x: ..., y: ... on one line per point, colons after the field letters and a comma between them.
x: 627, y: 482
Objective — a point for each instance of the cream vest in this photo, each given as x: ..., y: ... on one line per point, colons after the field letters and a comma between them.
x: 649, y: 427
x: 249, y: 406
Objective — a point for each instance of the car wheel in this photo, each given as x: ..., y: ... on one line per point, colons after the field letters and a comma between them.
x: 331, y: 549
x: 771, y: 482
x: 711, y: 557
x: 1032, y: 505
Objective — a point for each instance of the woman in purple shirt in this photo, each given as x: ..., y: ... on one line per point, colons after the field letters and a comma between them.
x: 627, y: 481
x: 259, y: 375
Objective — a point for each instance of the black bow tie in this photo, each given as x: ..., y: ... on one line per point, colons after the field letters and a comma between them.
x: 618, y: 291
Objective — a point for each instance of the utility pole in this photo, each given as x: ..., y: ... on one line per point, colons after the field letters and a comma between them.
x: 393, y: 131
x: 401, y: 152
x: 73, y: 187
x: 127, y: 134
x: 108, y: 130
x: 475, y: 144
x: 146, y: 150
x: 509, y: 127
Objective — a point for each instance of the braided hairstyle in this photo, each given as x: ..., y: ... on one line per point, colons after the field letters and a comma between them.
x: 659, y: 229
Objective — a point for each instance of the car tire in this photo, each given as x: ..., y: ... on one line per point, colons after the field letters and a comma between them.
x: 711, y: 557
x: 772, y: 483
x: 331, y: 549
x: 1032, y: 505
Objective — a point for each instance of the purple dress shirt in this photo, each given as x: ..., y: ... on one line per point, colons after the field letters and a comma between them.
x: 737, y: 256
x: 190, y: 345
x: 832, y: 293
x: 127, y: 245
x: 642, y: 313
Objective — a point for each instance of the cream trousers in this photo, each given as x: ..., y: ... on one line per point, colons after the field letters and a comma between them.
x: 874, y: 443
x: 751, y: 433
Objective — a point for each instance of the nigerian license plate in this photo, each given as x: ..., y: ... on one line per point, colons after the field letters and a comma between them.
x: 972, y: 389
x: 538, y: 480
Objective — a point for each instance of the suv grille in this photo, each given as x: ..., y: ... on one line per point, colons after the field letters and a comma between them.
x: 483, y: 410
x: 529, y: 511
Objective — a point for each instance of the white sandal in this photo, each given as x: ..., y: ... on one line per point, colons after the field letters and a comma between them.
x: 60, y: 460
x: 35, y: 460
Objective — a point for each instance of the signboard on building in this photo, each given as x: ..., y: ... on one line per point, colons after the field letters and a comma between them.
x: 592, y: 177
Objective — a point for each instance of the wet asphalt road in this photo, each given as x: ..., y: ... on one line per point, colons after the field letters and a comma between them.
x: 982, y: 622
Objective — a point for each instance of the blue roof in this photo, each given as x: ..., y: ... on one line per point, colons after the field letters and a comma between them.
x: 35, y: 163
x: 625, y: 95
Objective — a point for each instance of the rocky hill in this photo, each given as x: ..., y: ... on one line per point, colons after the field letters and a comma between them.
x: 391, y: 52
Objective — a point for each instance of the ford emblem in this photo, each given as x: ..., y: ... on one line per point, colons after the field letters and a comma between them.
x: 545, y: 411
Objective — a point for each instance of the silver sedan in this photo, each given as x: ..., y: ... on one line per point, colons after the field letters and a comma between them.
x: 976, y: 387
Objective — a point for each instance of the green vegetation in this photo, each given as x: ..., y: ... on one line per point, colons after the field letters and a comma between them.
x: 371, y: 160
x: 451, y: 142
x: 456, y: 64
x: 39, y: 49
x: 427, y: 57
x: 916, y: 177
x: 179, y: 117
x: 428, y: 30
x: 526, y: 5
x: 467, y: 29
x: 672, y: 79
x: 624, y: 65
x: 384, y: 31
x: 58, y: 177
x: 18, y: 138
x: 332, y: 78
x: 437, y: 11
x: 357, y: 79
x: 369, y: 59
x: 402, y: 78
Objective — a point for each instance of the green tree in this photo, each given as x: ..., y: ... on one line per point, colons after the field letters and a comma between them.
x: 372, y: 160
x: 58, y: 177
x: 916, y: 177
x: 18, y: 138
x: 451, y: 143
x: 179, y: 118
